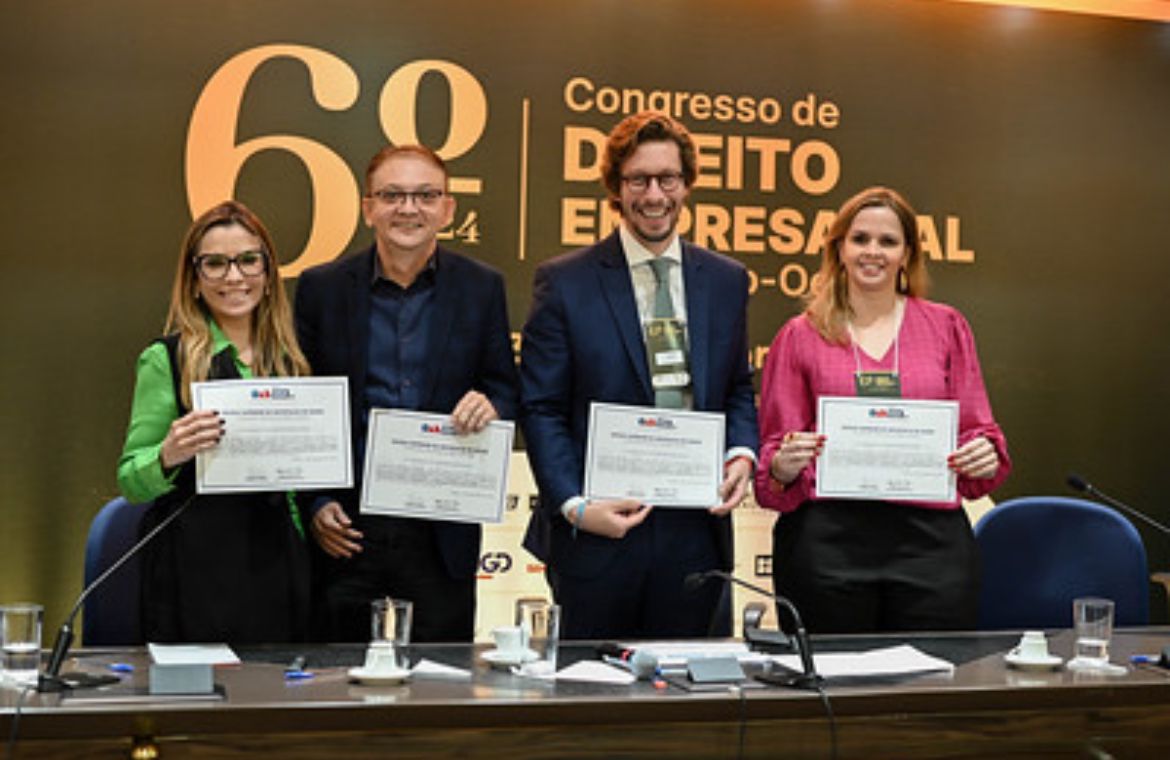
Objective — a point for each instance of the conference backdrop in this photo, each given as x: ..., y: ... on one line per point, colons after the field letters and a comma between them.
x: 1032, y: 143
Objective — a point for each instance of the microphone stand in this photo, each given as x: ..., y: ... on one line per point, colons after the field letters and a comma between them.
x: 1080, y: 484
x: 52, y: 680
x: 809, y: 679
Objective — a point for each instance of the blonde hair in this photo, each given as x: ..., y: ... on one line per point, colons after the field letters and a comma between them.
x: 827, y: 302
x: 275, y: 351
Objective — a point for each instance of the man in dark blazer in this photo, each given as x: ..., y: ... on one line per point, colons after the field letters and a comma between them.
x: 618, y: 567
x: 413, y: 326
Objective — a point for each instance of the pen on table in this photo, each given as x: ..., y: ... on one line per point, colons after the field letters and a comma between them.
x: 1143, y: 659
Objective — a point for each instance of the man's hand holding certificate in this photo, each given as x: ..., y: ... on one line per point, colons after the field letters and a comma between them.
x: 418, y: 465
x: 886, y: 448
x: 663, y: 457
x: 279, y: 433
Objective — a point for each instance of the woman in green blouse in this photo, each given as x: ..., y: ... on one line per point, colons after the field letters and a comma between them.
x: 233, y: 567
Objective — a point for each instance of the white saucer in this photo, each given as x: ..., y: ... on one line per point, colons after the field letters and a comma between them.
x: 1051, y: 662
x: 1093, y: 667
x: 379, y: 677
x: 505, y: 660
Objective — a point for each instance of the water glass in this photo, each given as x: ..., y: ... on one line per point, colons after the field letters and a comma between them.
x: 1093, y: 623
x: 540, y: 623
x: 20, y: 640
x: 390, y: 622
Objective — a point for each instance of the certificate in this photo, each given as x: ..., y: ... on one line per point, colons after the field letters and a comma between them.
x: 663, y: 457
x: 886, y: 448
x: 279, y: 433
x: 418, y: 466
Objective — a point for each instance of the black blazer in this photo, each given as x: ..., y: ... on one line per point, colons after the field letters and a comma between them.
x: 470, y: 349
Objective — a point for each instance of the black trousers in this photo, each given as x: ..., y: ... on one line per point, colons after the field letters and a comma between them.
x: 871, y: 566
x: 400, y: 559
x: 641, y: 593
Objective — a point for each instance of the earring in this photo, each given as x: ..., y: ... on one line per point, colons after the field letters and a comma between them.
x: 903, y: 280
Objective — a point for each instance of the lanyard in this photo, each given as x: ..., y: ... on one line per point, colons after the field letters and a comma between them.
x: 879, y: 383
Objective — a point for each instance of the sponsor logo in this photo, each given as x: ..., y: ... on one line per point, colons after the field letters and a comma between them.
x: 275, y: 393
x: 656, y: 422
x: 444, y: 429
x: 495, y: 563
x: 763, y: 566
x: 892, y: 413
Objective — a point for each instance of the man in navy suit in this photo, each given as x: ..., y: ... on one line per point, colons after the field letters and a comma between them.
x: 413, y: 326
x: 617, y: 567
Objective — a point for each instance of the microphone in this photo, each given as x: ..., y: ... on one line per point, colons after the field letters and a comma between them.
x: 807, y: 680
x: 643, y: 665
x: 51, y: 680
x: 1080, y: 484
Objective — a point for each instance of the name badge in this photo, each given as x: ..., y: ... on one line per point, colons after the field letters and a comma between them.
x: 878, y: 384
x: 666, y: 345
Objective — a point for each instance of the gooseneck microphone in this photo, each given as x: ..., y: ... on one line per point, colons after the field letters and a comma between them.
x: 1080, y: 484
x: 51, y: 679
x: 643, y: 664
x: 807, y: 680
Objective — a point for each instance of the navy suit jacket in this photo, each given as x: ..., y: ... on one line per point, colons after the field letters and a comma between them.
x: 583, y: 343
x: 470, y: 349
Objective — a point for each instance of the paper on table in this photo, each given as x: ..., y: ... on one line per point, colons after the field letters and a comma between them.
x: 192, y: 654
x: 425, y: 668
x: 587, y: 671
x: 593, y: 671
x: 890, y: 661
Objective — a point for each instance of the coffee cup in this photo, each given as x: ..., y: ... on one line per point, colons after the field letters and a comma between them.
x: 1033, y: 647
x: 509, y: 640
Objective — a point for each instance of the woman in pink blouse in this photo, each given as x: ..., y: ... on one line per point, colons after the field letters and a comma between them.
x: 869, y: 565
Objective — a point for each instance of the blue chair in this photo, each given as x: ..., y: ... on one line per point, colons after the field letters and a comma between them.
x: 111, y: 616
x: 1041, y: 552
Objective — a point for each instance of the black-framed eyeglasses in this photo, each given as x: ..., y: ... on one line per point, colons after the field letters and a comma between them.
x: 426, y: 197
x: 215, y: 266
x: 667, y: 181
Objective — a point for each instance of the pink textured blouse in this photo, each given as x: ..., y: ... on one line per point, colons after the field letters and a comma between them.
x: 936, y: 354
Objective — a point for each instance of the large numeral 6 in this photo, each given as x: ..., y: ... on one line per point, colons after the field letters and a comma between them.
x: 214, y: 159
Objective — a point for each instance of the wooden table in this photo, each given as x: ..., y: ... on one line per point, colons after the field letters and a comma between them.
x: 983, y: 710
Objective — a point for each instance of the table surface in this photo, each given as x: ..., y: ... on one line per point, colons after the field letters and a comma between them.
x: 259, y: 698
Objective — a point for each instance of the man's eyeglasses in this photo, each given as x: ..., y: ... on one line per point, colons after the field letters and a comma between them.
x: 215, y: 266
x: 426, y: 197
x: 667, y: 181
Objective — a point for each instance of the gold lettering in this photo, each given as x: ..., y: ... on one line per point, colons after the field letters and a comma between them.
x: 214, y: 159
x: 578, y: 142
x: 954, y: 252
x: 398, y: 112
